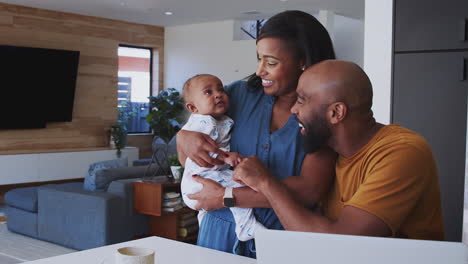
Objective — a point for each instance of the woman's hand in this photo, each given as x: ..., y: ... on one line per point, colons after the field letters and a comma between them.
x: 197, y: 146
x: 210, y: 197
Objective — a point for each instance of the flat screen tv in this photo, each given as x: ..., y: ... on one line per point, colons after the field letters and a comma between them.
x: 37, y: 86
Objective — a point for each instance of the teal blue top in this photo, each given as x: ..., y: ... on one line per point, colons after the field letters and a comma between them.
x: 251, y: 110
x: 281, y: 151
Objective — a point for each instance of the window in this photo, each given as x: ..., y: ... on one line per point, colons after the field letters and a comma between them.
x: 134, y: 87
x: 247, y: 29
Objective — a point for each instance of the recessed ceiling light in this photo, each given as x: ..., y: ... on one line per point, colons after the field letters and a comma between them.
x: 123, y: 4
x: 283, y: 0
x: 168, y: 13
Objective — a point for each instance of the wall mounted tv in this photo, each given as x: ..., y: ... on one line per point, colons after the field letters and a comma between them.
x: 37, y: 86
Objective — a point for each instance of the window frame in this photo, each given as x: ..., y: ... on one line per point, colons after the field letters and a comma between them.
x: 150, y: 78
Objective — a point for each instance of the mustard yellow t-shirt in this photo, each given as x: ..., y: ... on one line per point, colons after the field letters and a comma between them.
x: 393, y: 177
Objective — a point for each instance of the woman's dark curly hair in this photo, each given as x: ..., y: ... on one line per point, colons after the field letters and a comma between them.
x: 303, y: 34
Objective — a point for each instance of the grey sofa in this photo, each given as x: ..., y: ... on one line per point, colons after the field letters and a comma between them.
x: 68, y: 215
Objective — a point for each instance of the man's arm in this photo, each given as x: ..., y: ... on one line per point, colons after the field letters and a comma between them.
x: 316, y: 177
x: 293, y: 215
x: 391, y: 190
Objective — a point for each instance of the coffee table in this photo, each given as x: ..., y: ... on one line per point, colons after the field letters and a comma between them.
x: 166, y: 252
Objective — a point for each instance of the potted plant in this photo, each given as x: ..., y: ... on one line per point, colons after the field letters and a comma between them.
x: 126, y: 112
x: 118, y: 133
x: 165, y: 116
x: 176, y: 168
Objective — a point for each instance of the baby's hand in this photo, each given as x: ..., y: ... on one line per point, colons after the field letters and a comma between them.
x: 233, y: 158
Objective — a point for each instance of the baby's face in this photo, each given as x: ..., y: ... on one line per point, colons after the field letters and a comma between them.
x: 209, y: 97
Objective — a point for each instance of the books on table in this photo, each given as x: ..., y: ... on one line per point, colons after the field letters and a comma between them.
x: 187, y: 225
x: 172, y: 201
x: 188, y: 222
x: 187, y: 231
x: 173, y: 208
x: 188, y: 214
x: 171, y: 195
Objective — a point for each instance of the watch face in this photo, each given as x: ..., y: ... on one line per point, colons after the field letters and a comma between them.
x: 228, y: 202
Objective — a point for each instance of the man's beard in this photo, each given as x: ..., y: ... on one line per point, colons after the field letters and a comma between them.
x: 317, y: 134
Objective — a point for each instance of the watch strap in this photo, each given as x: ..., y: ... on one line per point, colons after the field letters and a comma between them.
x: 228, y: 198
x: 228, y: 193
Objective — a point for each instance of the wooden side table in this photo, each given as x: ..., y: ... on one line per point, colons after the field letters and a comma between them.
x: 148, y: 197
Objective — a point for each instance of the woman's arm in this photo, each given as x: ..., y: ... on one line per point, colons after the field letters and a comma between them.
x: 316, y: 179
x: 317, y: 174
x: 196, y: 146
x: 180, y: 151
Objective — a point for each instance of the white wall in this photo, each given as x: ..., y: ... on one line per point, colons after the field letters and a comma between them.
x: 348, y: 38
x: 206, y: 48
x: 378, y: 39
x: 209, y: 48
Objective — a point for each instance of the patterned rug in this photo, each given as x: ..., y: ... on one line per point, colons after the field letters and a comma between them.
x: 16, y: 248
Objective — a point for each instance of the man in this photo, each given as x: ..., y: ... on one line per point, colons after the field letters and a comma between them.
x: 386, y: 180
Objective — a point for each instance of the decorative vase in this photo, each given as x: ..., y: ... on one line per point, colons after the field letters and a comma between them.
x: 177, y: 173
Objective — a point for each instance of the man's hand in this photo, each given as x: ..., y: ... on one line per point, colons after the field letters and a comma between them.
x: 210, y: 197
x: 252, y: 172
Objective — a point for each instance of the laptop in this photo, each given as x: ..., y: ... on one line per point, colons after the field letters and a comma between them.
x: 282, y: 247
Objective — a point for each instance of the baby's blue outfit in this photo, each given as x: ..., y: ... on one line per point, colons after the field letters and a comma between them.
x: 281, y: 151
x: 219, y: 131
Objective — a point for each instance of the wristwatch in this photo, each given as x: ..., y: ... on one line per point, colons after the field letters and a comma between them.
x: 228, y: 198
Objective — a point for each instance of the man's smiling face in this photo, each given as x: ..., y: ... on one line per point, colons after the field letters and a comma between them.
x: 311, y: 112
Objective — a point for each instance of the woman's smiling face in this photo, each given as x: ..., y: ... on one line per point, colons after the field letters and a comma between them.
x: 277, y: 66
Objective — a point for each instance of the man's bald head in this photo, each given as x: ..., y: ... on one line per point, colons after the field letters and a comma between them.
x: 334, y: 98
x: 338, y: 81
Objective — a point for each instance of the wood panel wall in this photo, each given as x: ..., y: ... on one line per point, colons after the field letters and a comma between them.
x: 143, y: 143
x: 97, y: 39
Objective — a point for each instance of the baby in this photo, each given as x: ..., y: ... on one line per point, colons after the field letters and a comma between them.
x: 206, y: 99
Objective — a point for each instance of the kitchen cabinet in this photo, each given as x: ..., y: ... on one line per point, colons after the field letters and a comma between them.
x: 430, y: 97
x: 431, y: 25
x: 429, y: 94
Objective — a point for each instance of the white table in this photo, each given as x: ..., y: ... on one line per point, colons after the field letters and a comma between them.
x: 166, y: 252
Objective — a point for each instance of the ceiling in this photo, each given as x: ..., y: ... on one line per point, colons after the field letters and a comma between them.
x: 151, y: 12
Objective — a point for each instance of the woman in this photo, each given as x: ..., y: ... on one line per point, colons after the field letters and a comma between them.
x: 288, y: 43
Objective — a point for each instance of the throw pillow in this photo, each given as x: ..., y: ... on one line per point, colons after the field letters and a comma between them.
x: 98, y: 182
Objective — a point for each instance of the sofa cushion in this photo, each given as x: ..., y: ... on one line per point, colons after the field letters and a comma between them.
x: 146, y: 162
x: 21, y: 221
x: 120, y: 173
x: 22, y: 198
x: 70, y: 187
x: 95, y: 181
